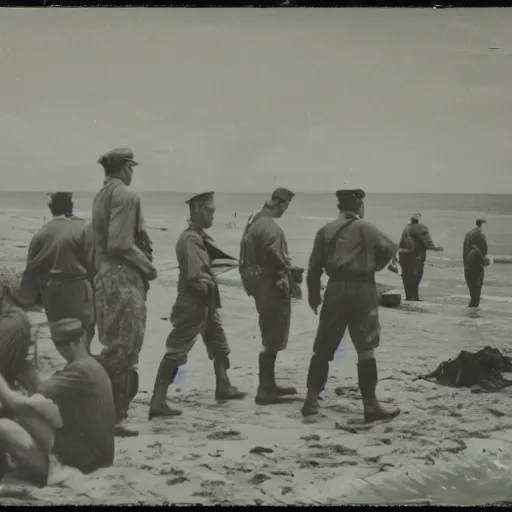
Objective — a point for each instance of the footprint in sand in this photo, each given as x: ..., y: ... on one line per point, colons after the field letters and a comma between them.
x: 259, y: 478
x: 177, y: 480
x: 226, y: 435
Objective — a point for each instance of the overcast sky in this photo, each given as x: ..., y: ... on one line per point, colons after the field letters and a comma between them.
x: 246, y: 99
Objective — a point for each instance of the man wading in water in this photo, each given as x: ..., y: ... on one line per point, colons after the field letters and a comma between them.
x: 350, y: 250
x: 123, y: 265
x: 59, y: 263
x: 412, y: 253
x: 195, y: 311
x: 474, y: 255
x: 268, y: 276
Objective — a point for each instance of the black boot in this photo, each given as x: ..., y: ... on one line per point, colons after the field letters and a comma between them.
x: 281, y: 391
x: 373, y: 411
x: 158, y: 406
x: 317, y: 377
x: 223, y: 388
x: 267, y: 393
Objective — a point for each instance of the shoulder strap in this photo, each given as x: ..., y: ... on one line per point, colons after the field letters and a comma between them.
x: 336, y: 236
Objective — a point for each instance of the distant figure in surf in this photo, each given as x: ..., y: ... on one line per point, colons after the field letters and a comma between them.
x: 60, y: 267
x: 269, y: 277
x: 412, y: 253
x: 195, y: 312
x: 474, y: 256
x: 123, y: 269
x: 350, y: 250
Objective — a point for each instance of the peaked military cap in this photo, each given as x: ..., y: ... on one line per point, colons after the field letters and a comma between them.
x: 200, y: 198
x: 116, y: 157
x: 479, y: 222
x: 283, y: 194
x: 416, y: 216
x: 66, y: 329
x: 60, y: 196
x: 356, y: 193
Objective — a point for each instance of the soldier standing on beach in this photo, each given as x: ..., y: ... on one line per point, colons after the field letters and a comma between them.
x: 123, y: 269
x: 350, y: 250
x: 268, y: 276
x: 195, y: 311
x: 412, y: 253
x: 474, y: 255
x: 59, y: 264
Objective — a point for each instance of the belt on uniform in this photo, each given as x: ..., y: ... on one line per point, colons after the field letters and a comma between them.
x: 352, y: 275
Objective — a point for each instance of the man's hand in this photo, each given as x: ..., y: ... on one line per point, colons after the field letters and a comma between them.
x: 203, y: 289
x: 439, y: 249
x: 314, y: 303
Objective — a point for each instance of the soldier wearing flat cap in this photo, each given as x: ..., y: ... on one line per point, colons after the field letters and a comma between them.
x: 59, y: 265
x: 474, y: 256
x: 412, y: 253
x: 195, y: 311
x: 350, y: 250
x: 83, y: 392
x: 269, y: 277
x: 123, y: 269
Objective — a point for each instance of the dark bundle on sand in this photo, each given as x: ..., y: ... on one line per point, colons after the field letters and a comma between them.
x: 482, y: 369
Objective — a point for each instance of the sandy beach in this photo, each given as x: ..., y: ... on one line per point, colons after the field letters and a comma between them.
x: 213, y: 452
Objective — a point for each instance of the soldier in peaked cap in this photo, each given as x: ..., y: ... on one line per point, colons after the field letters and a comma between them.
x: 350, y: 250
x: 269, y: 277
x: 195, y: 311
x: 412, y: 253
x: 59, y: 265
x: 474, y: 256
x: 123, y: 269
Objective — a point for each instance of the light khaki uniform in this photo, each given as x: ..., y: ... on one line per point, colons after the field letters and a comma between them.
x: 194, y: 314
x: 263, y: 261
x: 350, y: 250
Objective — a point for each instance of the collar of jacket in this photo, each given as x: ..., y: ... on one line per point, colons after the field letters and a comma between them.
x: 199, y: 230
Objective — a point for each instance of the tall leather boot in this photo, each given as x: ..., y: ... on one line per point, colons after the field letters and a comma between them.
x: 267, y: 393
x: 279, y: 390
x: 373, y: 411
x: 166, y: 374
x: 317, y: 377
x: 223, y: 388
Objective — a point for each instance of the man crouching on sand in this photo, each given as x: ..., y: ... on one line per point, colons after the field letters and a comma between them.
x: 83, y: 416
x: 268, y: 276
x: 195, y: 311
x: 350, y: 250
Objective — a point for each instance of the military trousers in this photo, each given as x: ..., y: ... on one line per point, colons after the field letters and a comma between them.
x: 474, y: 279
x: 412, y: 274
x: 274, y: 314
x: 191, y: 316
x: 352, y: 304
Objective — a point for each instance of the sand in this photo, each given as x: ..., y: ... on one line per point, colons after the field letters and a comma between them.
x: 207, y: 455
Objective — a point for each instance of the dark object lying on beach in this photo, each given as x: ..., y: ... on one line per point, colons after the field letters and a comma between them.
x: 483, y: 368
x: 387, y: 299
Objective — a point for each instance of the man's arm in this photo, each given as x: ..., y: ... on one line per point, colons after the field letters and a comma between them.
x: 121, y: 235
x: 192, y: 253
x: 272, y: 246
x: 426, y: 239
x: 87, y: 249
x: 384, y: 248
x: 315, y: 270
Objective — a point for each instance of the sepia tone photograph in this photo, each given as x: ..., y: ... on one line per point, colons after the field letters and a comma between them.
x: 255, y: 256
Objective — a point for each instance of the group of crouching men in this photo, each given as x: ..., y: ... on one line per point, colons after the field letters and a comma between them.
x: 97, y: 275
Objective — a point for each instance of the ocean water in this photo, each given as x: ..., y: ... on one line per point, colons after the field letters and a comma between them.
x: 449, y: 217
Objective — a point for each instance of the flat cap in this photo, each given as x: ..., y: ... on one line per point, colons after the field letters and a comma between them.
x: 116, y: 157
x: 479, y: 222
x: 416, y: 216
x: 283, y: 194
x: 65, y: 330
x: 200, y: 198
x: 60, y: 196
x: 356, y: 193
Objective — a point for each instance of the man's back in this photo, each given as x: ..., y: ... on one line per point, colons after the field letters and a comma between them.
x: 261, y: 236
x: 474, y: 238
x: 83, y: 392
x: 352, y: 245
x: 59, y: 246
